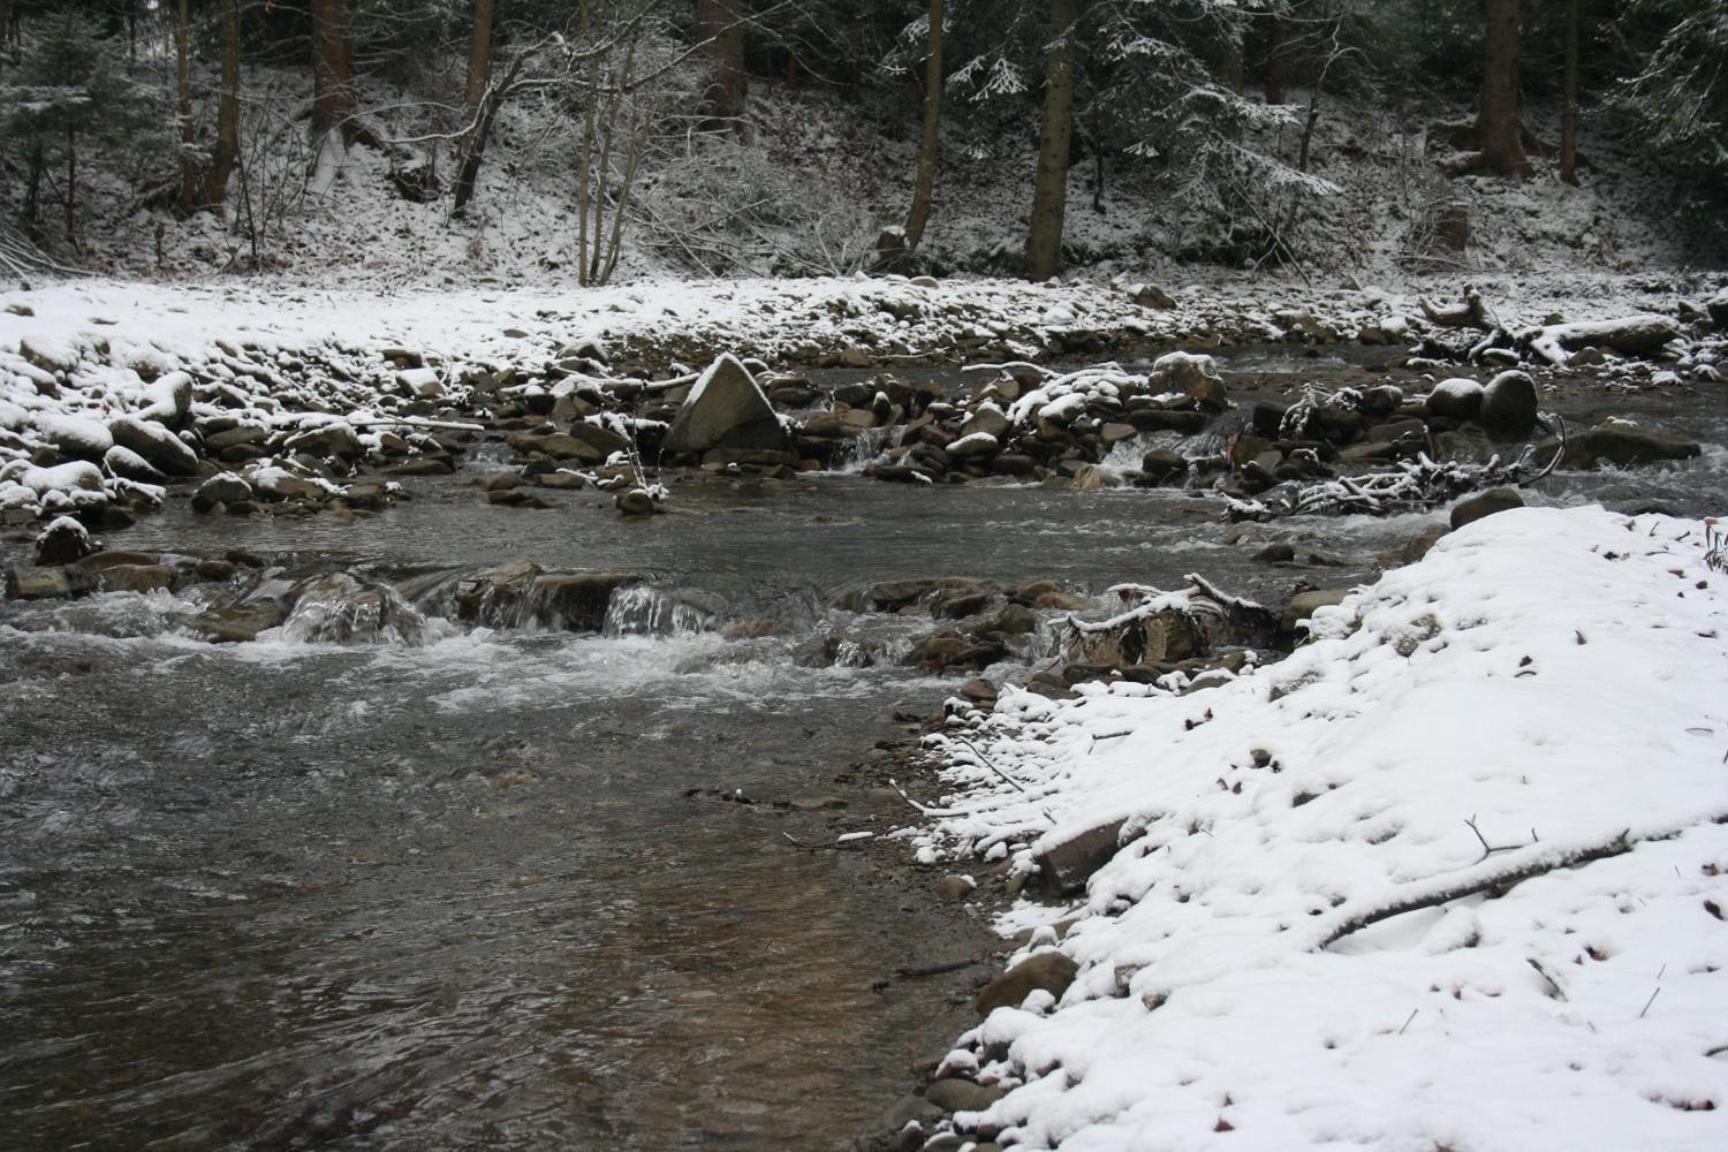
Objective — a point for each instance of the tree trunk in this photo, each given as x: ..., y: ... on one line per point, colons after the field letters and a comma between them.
x: 1050, y: 200
x: 927, y: 150
x: 720, y: 24
x: 187, y: 201
x: 479, y: 81
x: 227, y: 108
x: 1569, y: 118
x: 1497, y: 114
x: 1275, y: 59
x: 71, y: 185
x: 333, y: 97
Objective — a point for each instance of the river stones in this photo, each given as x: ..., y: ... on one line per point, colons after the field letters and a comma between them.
x: 1065, y: 867
x: 725, y: 409
x: 1194, y: 375
x: 225, y: 488
x: 956, y: 888
x: 1626, y: 445
x: 1050, y: 972
x: 62, y: 542
x: 1484, y: 504
x: 75, y: 436
x: 953, y: 1094
x: 333, y: 439
x: 163, y: 450
x: 1509, y: 406
x: 1304, y: 604
x: 1456, y: 399
x: 128, y: 465
x: 634, y: 504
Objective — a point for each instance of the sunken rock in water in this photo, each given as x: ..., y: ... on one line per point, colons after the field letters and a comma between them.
x: 1050, y: 972
x: 1456, y: 399
x: 161, y: 448
x: 1623, y: 444
x: 725, y: 409
x: 1485, y: 504
x: 62, y: 542
x: 1509, y: 406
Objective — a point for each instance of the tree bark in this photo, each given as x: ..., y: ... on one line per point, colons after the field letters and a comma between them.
x: 1497, y: 112
x: 1275, y: 59
x: 479, y: 81
x: 71, y: 185
x: 227, y: 108
x: 1050, y: 200
x: 720, y: 24
x: 187, y: 201
x: 925, y: 188
x: 1569, y: 117
x: 333, y: 97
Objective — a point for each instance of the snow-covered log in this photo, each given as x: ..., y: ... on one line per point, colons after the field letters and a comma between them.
x: 1642, y: 335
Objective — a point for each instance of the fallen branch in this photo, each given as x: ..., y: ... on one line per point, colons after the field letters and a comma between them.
x: 1644, y: 335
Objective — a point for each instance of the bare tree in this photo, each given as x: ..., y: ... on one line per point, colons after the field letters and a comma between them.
x: 1050, y: 200
x: 720, y: 27
x: 924, y: 190
x: 480, y: 105
x: 1497, y: 129
x: 1569, y: 117
x: 187, y: 201
x: 227, y: 151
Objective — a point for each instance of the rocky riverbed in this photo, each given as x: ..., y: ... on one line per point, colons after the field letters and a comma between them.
x: 516, y: 752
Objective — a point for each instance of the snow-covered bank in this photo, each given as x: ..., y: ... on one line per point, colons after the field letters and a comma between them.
x: 1449, y: 876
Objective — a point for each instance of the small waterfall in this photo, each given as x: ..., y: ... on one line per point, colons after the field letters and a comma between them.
x: 865, y: 449
x: 641, y: 610
x: 342, y: 609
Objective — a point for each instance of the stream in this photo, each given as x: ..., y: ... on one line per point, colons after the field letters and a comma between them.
x: 449, y: 884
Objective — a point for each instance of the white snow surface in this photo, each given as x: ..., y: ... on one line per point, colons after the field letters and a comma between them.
x: 1560, y: 678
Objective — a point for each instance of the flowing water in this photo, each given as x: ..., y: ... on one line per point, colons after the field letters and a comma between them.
x: 409, y: 874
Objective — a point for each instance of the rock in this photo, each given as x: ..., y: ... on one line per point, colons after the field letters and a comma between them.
x: 956, y: 1095
x: 1276, y: 554
x: 1050, y: 972
x: 1509, y: 406
x: 137, y: 578
x: 1717, y: 306
x: 516, y: 497
x: 956, y: 888
x: 1008, y: 620
x: 62, y: 542
x: 603, y: 440
x: 1304, y: 604
x: 557, y: 445
x: 170, y: 397
x: 128, y: 465
x: 47, y: 354
x: 1066, y: 867
x: 1483, y: 504
x: 1182, y: 421
x: 1114, y: 433
x: 333, y: 439
x: 725, y: 409
x: 988, y: 420
x: 76, y: 436
x: 1161, y: 466
x: 975, y: 446
x: 1456, y: 399
x: 949, y: 650
x: 1151, y: 296
x: 158, y: 446
x: 238, y: 623
x: 224, y: 488
x: 1194, y: 375
x: 1623, y: 444
x: 45, y: 583
x: 634, y: 503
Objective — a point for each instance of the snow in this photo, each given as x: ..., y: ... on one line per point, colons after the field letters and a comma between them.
x: 1545, y: 686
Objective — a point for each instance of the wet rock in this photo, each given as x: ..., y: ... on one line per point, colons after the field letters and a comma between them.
x: 1622, y: 444
x: 517, y: 498
x: 1014, y: 464
x: 1067, y: 866
x: 975, y: 445
x: 62, y: 542
x: 366, y: 496
x: 162, y: 449
x: 949, y: 650
x: 45, y: 583
x: 1304, y: 604
x: 956, y: 888
x: 1008, y: 620
x: 238, y: 623
x: 225, y: 488
x: 1456, y: 399
x: 979, y: 691
x: 138, y: 578
x: 603, y: 440
x: 1484, y: 504
x: 1276, y: 554
x: 725, y: 409
x: 635, y: 503
x: 1182, y: 421
x: 1509, y: 405
x: 958, y: 603
x: 422, y: 466
x: 988, y: 420
x: 956, y: 1095
x: 557, y: 445
x: 1162, y: 466
x: 1050, y: 972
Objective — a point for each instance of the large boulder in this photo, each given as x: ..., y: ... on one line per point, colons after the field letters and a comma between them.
x: 1509, y: 406
x: 163, y: 450
x: 1456, y: 399
x: 1193, y: 374
x: 725, y: 409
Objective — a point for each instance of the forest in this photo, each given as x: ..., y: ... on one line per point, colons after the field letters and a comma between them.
x: 822, y: 136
